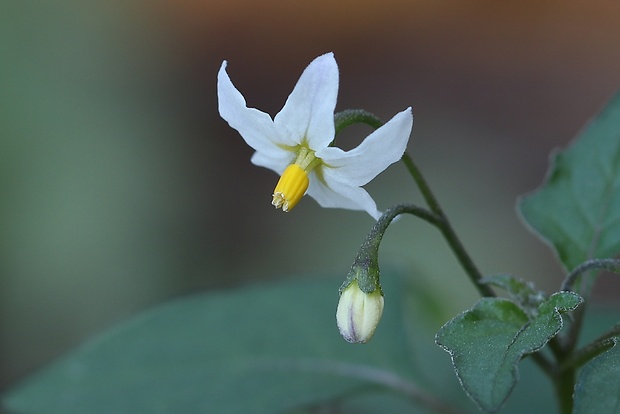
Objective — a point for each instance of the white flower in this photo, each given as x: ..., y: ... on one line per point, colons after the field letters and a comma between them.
x: 358, y: 313
x: 296, y: 143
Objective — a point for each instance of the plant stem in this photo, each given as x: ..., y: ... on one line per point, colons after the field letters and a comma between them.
x: 564, y: 386
x: 355, y: 116
x: 365, y: 267
x: 447, y: 230
x: 352, y: 116
x: 598, y: 346
x: 613, y: 265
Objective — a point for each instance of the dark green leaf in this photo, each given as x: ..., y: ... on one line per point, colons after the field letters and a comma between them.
x: 577, y: 210
x: 487, y: 342
x: 522, y: 292
x: 598, y: 387
x: 256, y: 350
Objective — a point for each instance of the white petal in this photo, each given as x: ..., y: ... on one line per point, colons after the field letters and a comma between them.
x: 256, y: 127
x: 331, y: 193
x: 309, y: 110
x: 276, y: 164
x: 378, y: 151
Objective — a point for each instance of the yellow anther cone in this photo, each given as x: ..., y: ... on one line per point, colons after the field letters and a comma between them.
x: 291, y: 187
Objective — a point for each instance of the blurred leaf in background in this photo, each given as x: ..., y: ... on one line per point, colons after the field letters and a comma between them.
x: 577, y: 209
x: 260, y: 349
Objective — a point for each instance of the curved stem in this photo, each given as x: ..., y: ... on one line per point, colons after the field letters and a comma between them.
x: 365, y: 267
x: 447, y: 230
x: 569, y: 360
x: 349, y: 117
x: 613, y: 265
x: 352, y: 116
x: 391, y: 213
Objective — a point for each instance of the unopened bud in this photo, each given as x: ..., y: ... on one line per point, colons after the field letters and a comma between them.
x: 358, y: 313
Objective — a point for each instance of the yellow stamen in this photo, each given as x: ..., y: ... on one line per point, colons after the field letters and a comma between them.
x: 291, y: 187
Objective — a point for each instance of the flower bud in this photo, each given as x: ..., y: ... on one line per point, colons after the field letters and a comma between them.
x: 358, y: 313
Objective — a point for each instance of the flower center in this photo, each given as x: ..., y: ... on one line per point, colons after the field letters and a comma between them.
x: 294, y: 181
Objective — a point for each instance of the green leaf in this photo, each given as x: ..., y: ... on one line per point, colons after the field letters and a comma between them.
x: 522, y: 292
x: 487, y: 342
x: 255, y: 350
x: 577, y: 210
x: 598, y: 386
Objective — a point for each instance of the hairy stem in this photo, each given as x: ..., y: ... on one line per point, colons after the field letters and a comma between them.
x: 613, y: 265
x: 352, y: 116
x: 365, y: 267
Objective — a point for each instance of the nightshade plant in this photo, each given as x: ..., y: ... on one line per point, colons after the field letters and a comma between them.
x: 185, y: 358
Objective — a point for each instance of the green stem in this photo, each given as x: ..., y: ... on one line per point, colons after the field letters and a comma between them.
x: 425, y: 189
x: 564, y: 387
x: 447, y: 230
x: 365, y: 267
x: 601, y: 344
x: 379, y: 228
x: 613, y: 265
x: 349, y: 117
x: 569, y: 360
x: 352, y: 116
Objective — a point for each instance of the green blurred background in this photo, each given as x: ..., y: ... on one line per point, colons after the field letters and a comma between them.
x: 121, y: 187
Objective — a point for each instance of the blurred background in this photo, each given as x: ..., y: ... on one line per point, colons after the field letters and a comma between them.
x: 121, y: 187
